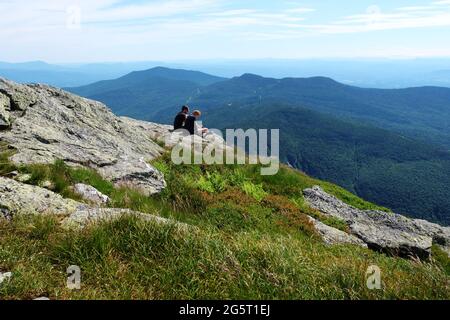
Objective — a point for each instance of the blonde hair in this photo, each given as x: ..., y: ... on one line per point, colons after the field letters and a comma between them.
x: 197, y: 113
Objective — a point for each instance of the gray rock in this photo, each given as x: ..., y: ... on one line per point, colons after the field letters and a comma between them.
x: 13, y: 174
x: 51, y: 124
x: 91, y: 194
x: 41, y: 299
x: 6, y: 214
x: 88, y: 215
x: 27, y: 199
x: 332, y: 236
x: 25, y: 177
x: 22, y: 199
x: 388, y: 232
x: 47, y: 184
x: 4, y: 112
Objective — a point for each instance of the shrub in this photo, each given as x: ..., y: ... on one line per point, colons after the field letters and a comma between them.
x: 237, y: 177
x: 205, y: 185
x: 236, y: 196
x: 161, y: 166
x: 212, y: 182
x: 254, y: 190
x: 292, y: 214
x: 281, y: 205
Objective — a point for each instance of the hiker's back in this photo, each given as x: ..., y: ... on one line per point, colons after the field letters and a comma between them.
x: 189, y: 124
x: 179, y: 121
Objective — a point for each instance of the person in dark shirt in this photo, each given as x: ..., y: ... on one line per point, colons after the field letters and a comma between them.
x: 192, y: 127
x: 180, y: 119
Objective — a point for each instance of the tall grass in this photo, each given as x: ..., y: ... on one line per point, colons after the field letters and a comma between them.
x: 249, y: 238
x: 132, y: 259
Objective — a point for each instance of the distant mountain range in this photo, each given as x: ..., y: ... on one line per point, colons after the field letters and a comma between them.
x: 367, y: 73
x: 388, y: 146
x: 144, y: 94
x: 68, y: 74
x: 421, y: 113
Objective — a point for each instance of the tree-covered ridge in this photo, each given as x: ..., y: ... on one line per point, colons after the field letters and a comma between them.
x: 409, y: 177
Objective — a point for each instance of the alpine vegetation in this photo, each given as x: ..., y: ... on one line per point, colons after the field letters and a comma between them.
x: 93, y: 206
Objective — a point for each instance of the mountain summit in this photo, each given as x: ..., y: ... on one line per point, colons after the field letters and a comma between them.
x: 44, y: 124
x: 81, y: 185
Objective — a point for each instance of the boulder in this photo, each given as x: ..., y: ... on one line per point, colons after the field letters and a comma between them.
x: 51, y: 124
x: 382, y: 231
x: 27, y: 199
x: 22, y: 198
x: 25, y: 177
x: 91, y: 194
x: 88, y: 215
x: 332, y: 236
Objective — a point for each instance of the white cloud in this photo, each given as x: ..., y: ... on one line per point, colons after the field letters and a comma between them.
x: 437, y: 14
x: 167, y: 25
x: 299, y: 10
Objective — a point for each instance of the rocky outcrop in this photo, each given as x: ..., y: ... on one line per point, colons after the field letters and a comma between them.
x: 332, y: 236
x: 18, y: 199
x: 5, y: 109
x: 22, y: 198
x: 45, y: 124
x: 90, y: 194
x: 383, y: 231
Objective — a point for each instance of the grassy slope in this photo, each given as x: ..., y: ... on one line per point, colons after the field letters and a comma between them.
x: 407, y: 176
x: 249, y: 239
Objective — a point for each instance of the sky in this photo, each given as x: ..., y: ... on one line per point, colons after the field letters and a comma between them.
x: 63, y: 31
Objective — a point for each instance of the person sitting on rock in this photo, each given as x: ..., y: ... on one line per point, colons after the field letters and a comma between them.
x: 180, y: 119
x: 192, y: 126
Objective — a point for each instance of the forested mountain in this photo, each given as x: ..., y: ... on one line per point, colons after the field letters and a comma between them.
x: 142, y: 94
x: 421, y: 113
x: 388, y: 146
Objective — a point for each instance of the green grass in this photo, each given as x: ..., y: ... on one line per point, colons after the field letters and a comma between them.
x: 441, y: 258
x: 130, y: 259
x: 254, y: 190
x: 248, y: 238
x: 6, y: 166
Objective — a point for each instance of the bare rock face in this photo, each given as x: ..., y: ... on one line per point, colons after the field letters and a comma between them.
x: 5, y: 108
x: 45, y: 124
x: 91, y: 194
x: 383, y: 231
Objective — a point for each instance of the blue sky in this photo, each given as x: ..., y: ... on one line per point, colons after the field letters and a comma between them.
x: 166, y: 30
